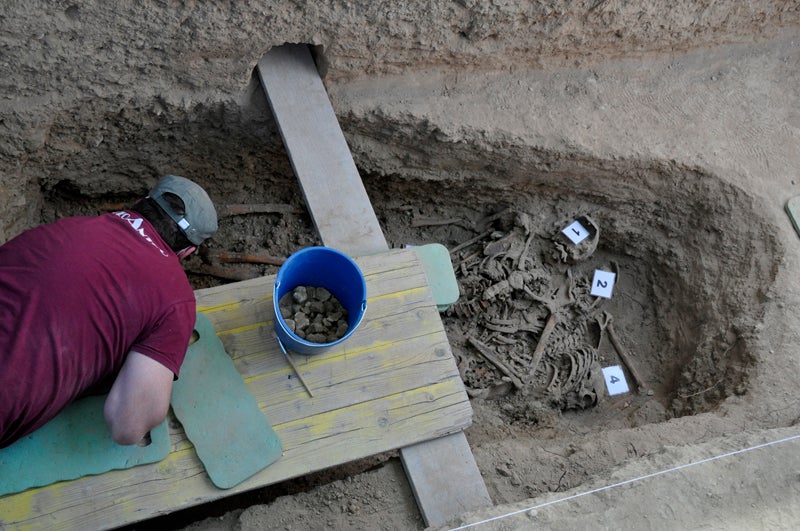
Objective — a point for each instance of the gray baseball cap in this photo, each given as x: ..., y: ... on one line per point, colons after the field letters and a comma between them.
x: 200, y: 220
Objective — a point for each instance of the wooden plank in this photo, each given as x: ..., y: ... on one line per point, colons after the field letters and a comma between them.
x: 392, y: 384
x: 345, y: 220
x: 431, y: 480
x: 332, y: 187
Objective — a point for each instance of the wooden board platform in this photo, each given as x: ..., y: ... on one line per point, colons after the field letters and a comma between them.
x: 443, y: 474
x: 392, y: 384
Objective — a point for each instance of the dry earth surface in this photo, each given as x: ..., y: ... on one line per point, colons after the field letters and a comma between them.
x: 684, y: 162
x: 674, y: 126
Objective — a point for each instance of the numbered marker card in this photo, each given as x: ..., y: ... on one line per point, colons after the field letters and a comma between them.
x: 575, y: 232
x: 603, y: 283
x: 615, y: 380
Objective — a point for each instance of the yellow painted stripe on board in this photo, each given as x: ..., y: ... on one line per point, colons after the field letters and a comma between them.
x: 232, y: 306
x: 245, y: 328
x: 236, y: 306
x: 311, y: 361
x: 397, y: 294
x: 220, y: 307
x: 324, y: 423
x: 20, y: 510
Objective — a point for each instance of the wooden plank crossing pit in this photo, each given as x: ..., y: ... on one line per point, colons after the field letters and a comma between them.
x: 345, y: 220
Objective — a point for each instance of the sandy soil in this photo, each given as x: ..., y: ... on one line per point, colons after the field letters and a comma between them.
x: 687, y: 191
x: 674, y: 126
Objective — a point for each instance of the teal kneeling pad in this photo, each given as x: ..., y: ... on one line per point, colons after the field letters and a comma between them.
x: 438, y: 268
x: 75, y: 443
x: 220, y: 416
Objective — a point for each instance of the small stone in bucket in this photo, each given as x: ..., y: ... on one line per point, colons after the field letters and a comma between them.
x: 314, y: 314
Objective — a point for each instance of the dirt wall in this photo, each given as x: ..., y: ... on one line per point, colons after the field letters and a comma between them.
x: 101, y: 99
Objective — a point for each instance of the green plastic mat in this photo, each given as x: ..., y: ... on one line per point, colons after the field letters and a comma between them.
x: 221, y: 417
x: 438, y: 268
x: 74, y: 444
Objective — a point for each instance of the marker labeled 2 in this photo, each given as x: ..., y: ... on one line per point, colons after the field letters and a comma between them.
x: 603, y: 283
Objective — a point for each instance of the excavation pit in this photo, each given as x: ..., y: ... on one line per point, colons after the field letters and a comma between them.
x: 695, y: 260
x: 694, y: 264
x: 693, y: 256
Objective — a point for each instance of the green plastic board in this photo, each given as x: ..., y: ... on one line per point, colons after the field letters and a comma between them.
x: 231, y: 435
x: 438, y: 268
x: 74, y: 444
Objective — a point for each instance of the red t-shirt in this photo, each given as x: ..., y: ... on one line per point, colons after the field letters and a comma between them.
x: 76, y: 296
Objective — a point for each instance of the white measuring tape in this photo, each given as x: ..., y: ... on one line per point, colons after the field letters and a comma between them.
x: 607, y: 487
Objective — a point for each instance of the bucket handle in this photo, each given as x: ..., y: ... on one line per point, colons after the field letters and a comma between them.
x: 361, y: 316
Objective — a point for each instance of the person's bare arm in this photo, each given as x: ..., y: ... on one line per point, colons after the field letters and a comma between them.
x: 139, y: 398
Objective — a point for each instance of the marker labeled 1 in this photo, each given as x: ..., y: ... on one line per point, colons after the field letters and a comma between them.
x: 575, y: 232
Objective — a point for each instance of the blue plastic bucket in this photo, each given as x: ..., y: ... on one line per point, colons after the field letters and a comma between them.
x: 320, y: 267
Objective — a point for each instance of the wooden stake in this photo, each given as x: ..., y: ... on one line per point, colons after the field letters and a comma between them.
x: 240, y: 258
x: 225, y: 272
x: 239, y: 210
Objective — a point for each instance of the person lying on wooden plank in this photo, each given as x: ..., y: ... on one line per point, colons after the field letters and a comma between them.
x: 90, y: 303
